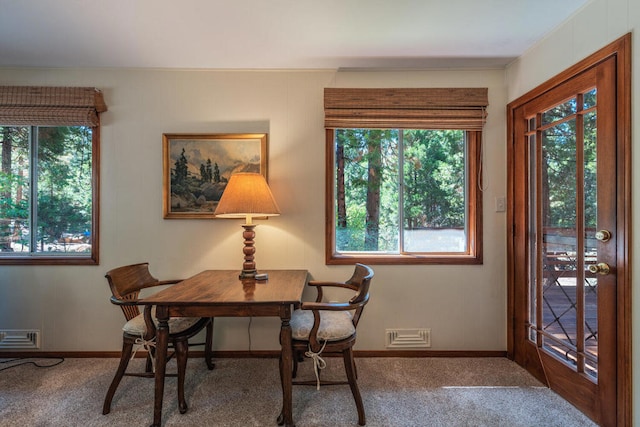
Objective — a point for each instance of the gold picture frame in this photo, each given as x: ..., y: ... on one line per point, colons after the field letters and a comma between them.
x: 196, y: 168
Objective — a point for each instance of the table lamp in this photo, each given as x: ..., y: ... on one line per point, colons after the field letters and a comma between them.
x: 248, y: 196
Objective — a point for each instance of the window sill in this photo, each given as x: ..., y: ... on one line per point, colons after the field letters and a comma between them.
x: 403, y: 259
x: 47, y: 260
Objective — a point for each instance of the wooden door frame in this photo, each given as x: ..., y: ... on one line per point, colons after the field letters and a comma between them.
x: 621, y: 51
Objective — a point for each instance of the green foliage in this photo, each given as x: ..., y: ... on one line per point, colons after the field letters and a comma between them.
x: 10, y: 208
x: 433, y: 178
x: 560, y: 168
x: 58, y: 217
x: 359, y: 154
x: 64, y: 185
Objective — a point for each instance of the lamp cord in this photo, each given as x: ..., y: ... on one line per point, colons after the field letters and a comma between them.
x: 481, y: 186
x: 249, y: 332
x: 30, y: 362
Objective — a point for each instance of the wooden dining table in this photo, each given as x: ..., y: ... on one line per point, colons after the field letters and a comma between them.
x: 221, y: 293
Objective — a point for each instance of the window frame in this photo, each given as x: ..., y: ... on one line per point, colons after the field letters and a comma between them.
x: 92, y: 258
x: 474, y: 215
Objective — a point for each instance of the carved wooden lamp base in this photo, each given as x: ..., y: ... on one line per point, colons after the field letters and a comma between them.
x: 249, y: 265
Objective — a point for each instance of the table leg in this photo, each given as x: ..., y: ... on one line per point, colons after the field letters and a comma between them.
x: 161, y: 362
x: 286, y: 365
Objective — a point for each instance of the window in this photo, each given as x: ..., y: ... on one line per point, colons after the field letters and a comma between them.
x: 407, y: 194
x: 49, y: 175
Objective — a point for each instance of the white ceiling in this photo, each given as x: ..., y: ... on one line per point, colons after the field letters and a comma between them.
x: 274, y: 34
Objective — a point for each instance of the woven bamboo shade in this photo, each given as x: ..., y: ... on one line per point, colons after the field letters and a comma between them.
x: 419, y: 108
x: 50, y: 106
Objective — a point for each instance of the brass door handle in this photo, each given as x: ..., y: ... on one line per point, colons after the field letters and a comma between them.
x: 603, y: 235
x: 600, y: 268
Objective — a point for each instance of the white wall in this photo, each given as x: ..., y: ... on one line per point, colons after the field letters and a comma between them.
x: 465, y: 306
x: 597, y: 24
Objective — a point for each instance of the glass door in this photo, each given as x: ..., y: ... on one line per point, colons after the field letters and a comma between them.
x: 565, y: 227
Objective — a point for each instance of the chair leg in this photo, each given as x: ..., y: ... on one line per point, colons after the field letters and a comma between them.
x: 294, y: 372
x: 148, y: 367
x: 350, y: 368
x: 208, y: 347
x: 297, y: 358
x: 355, y: 368
x: 181, y: 351
x: 127, y: 349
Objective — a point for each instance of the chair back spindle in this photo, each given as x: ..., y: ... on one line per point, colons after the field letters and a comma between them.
x: 127, y: 281
x: 361, y: 280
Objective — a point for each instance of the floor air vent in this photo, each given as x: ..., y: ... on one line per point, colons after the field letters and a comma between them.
x: 19, y: 339
x: 408, y: 338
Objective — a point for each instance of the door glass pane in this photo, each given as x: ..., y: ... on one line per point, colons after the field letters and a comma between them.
x: 559, y: 238
x: 560, y: 111
x: 563, y: 301
x: 589, y: 99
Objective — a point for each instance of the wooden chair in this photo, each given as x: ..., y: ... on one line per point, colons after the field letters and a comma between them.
x: 323, y: 328
x: 140, y: 329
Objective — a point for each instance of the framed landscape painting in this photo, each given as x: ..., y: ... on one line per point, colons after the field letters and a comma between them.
x: 197, y: 167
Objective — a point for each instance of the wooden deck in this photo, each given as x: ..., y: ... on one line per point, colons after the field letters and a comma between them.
x: 559, y: 320
x: 559, y: 305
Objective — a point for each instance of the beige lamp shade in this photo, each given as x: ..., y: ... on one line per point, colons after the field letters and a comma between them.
x: 247, y: 195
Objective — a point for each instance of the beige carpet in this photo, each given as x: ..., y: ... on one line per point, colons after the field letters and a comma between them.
x: 246, y: 392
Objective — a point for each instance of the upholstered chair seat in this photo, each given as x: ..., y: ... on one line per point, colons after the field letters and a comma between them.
x: 334, y: 325
x: 137, y: 326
